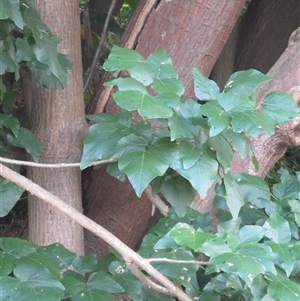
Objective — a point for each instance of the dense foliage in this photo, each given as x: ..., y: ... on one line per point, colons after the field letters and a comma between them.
x: 180, y: 147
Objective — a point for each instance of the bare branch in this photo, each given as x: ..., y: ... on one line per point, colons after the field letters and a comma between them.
x: 95, y: 228
x: 179, y: 261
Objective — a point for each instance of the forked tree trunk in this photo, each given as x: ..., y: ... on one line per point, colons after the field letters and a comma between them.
x: 58, y: 121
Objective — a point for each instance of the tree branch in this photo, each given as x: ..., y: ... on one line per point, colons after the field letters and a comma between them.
x: 95, y: 228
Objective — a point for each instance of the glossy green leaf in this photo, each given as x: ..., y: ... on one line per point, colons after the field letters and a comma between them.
x: 72, y: 285
x: 205, y: 89
x: 7, y: 63
x: 254, y: 188
x: 122, y: 117
x: 282, y: 256
x: 210, y: 296
x: 113, y: 170
x: 235, y: 103
x: 170, y: 99
x: 284, y: 290
x: 259, y: 288
x: 252, y: 123
x: 189, y: 154
x: 127, y: 84
x: 6, y: 264
x: 245, y: 82
x: 84, y: 264
x: 202, y: 174
x: 103, y: 282
x: 26, y: 139
x: 10, y: 122
x: 93, y: 295
x: 251, y: 233
x: 131, y: 61
x: 10, y: 194
x: 246, y: 267
x: 147, y: 105
x: 141, y: 168
x: 131, y: 285
x: 223, y: 151
x: 24, y: 51
x: 100, y: 140
x: 280, y: 107
x: 162, y: 65
x: 179, y: 193
x: 180, y: 127
x: 217, y: 117
x: 278, y: 229
x: 185, y: 235
x: 234, y: 197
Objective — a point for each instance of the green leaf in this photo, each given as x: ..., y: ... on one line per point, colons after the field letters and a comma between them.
x: 99, y: 141
x: 259, y: 288
x: 180, y: 127
x: 7, y: 63
x: 288, y: 188
x: 170, y: 99
x: 233, y: 196
x: 217, y: 117
x: 251, y: 233
x: 127, y: 84
x: 162, y: 65
x: 223, y: 151
x: 10, y: 194
x: 202, y: 174
x: 17, y: 247
x: 278, y: 229
x: 179, y: 193
x: 27, y: 140
x: 254, y: 189
x: 284, y: 290
x: 205, y: 89
x: 189, y: 154
x: 147, y: 105
x: 131, y: 285
x: 214, y: 247
x: 168, y: 85
x: 252, y: 123
x: 235, y: 103
x: 280, y: 107
x: 261, y: 252
x: 10, y: 122
x: 245, y: 82
x: 84, y: 264
x: 210, y: 296
x: 131, y: 61
x: 72, y: 285
x: 103, y: 282
x: 141, y: 168
x: 11, y: 9
x: 186, y: 236
x: 282, y: 256
x: 246, y: 267
x: 24, y: 51
x: 93, y: 295
x: 6, y: 264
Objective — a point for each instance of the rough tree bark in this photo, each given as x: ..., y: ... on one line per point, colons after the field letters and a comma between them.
x: 58, y: 120
x: 193, y: 33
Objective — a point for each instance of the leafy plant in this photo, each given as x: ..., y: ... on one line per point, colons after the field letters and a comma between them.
x: 174, y: 141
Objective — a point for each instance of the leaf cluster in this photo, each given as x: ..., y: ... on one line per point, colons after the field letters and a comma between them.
x: 180, y: 146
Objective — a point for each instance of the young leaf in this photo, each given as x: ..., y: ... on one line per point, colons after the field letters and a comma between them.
x: 131, y: 61
x: 10, y: 194
x: 245, y: 82
x: 205, y: 89
x: 179, y: 193
x: 141, y: 168
x: 247, y: 267
x: 280, y: 107
x: 252, y: 123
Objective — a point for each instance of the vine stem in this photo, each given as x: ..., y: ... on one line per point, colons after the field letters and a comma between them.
x: 128, y: 254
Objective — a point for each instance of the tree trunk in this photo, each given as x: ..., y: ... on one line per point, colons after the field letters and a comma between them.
x: 264, y: 32
x: 58, y: 121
